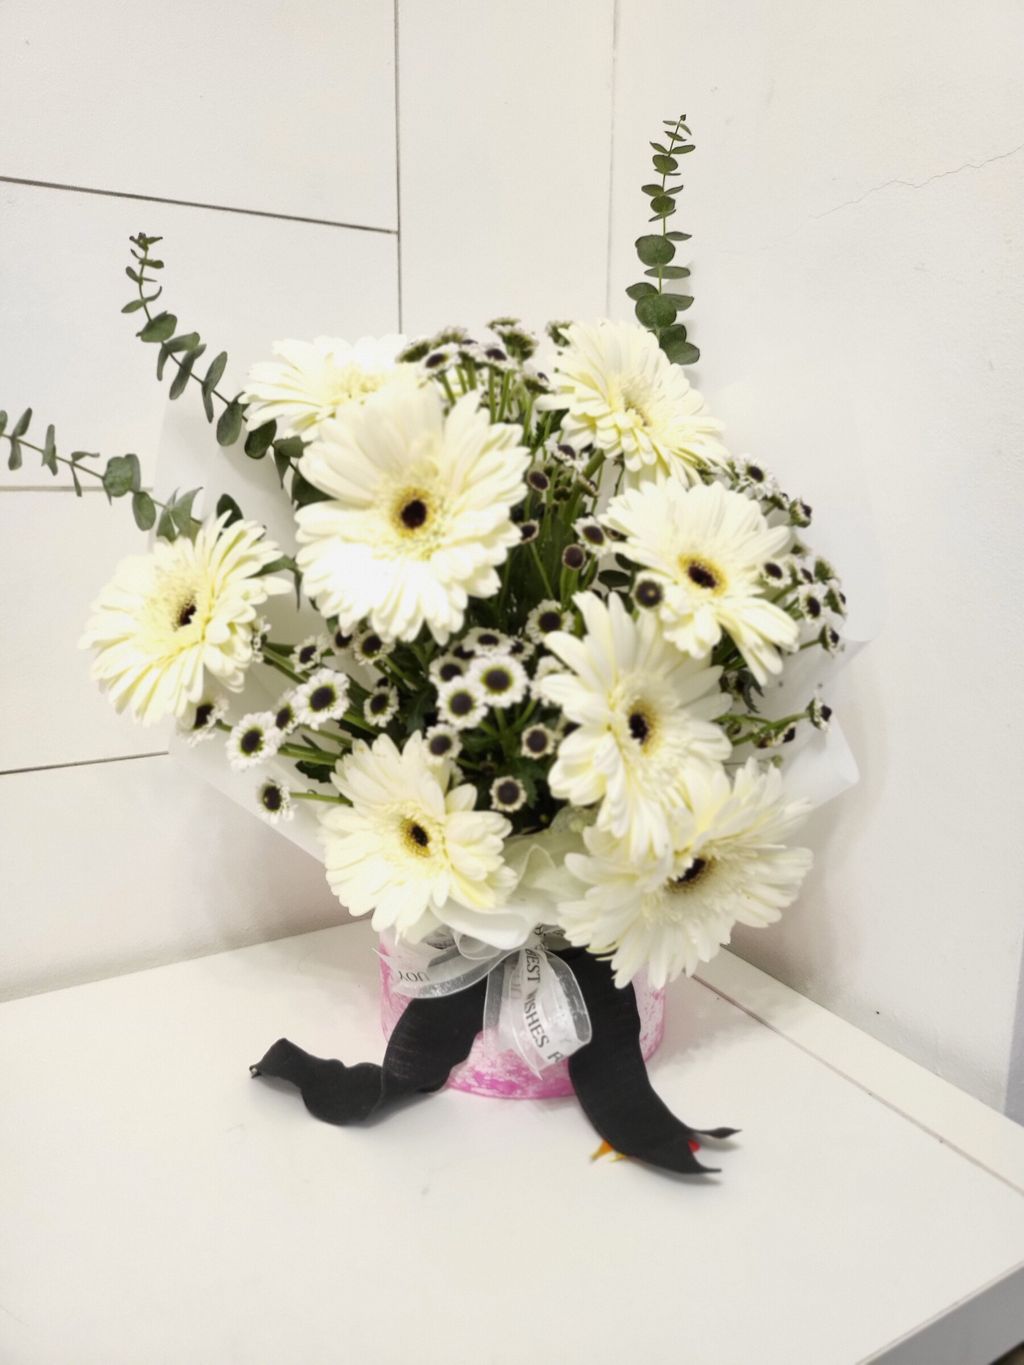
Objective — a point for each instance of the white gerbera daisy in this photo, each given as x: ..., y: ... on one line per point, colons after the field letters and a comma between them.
x: 311, y: 381
x: 501, y: 679
x: 274, y: 802
x: 728, y: 864
x: 253, y: 740
x: 442, y: 742
x: 184, y: 611
x: 323, y: 697
x: 460, y: 703
x: 707, y: 546
x: 643, y: 714
x: 381, y: 705
x: 418, y: 512
x: 622, y: 394
x: 409, y: 848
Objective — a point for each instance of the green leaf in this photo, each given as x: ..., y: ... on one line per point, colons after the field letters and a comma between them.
x: 187, y: 341
x: 260, y: 439
x: 282, y: 464
x: 662, y: 205
x: 14, y: 458
x: 669, y: 272
x: 133, y: 306
x: 681, y: 151
x: 22, y: 424
x: 133, y: 275
x: 229, y: 426
x: 77, y: 455
x: 659, y: 148
x: 227, y: 505
x: 180, y: 381
x: 122, y: 475
x: 50, y: 450
x: 612, y: 578
x: 160, y: 328
x: 3, y: 422
x: 213, y: 375
x: 639, y: 291
x: 679, y: 236
x: 181, y: 511
x: 675, y: 345
x: 76, y: 481
x: 165, y: 527
x: 303, y: 492
x: 291, y: 446
x: 316, y: 772
x: 653, y: 189
x: 162, y: 358
x: 665, y: 164
x: 654, y: 249
x: 680, y: 301
x: 655, y: 310
x: 143, y: 510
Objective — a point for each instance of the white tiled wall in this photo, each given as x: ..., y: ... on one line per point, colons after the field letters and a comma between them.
x: 357, y: 165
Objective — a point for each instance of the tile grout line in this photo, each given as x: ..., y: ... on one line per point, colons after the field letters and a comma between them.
x: 80, y: 763
x: 611, y: 158
x: 398, y: 165
x: 195, y: 204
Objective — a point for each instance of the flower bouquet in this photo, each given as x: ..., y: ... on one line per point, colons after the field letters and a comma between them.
x: 530, y: 718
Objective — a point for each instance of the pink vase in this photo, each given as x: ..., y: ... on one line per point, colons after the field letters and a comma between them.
x: 491, y: 1070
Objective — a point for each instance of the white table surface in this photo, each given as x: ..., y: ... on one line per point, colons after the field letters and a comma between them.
x: 159, y: 1205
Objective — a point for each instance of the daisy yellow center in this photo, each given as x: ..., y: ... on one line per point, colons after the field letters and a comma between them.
x: 641, y: 723
x: 702, y: 574
x: 414, y: 521
x: 419, y: 838
x: 175, y: 615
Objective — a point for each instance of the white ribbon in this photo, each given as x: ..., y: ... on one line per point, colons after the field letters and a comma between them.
x: 533, y: 1003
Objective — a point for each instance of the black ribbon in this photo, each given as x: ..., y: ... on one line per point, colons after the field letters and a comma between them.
x: 435, y: 1033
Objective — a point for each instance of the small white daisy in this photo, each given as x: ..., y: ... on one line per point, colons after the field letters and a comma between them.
x: 546, y: 665
x: 819, y: 713
x: 446, y: 667
x: 381, y: 705
x: 461, y: 703
x: 260, y: 636
x: 484, y: 640
x: 507, y: 794
x: 201, y: 722
x: 310, y: 652
x: 274, y: 802
x: 253, y: 740
x: 546, y: 617
x: 286, y: 717
x: 501, y: 679
x: 442, y: 742
x: 537, y: 741
x: 369, y: 646
x: 591, y: 534
x: 323, y: 697
x: 522, y: 648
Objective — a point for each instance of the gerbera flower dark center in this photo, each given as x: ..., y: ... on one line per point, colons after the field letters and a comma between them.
x: 697, y: 869
x: 440, y: 745
x: 639, y: 727
x: 185, y: 614
x: 307, y: 654
x: 536, y: 741
x: 414, y: 514
x: 497, y: 679
x: 448, y: 670
x: 204, y: 713
x: 416, y: 837
x: 461, y: 703
x: 703, y: 575
x: 487, y: 639
x: 271, y: 797
x: 508, y: 792
x: 251, y: 742
x: 322, y: 698
x: 549, y: 620
x: 648, y: 593
x: 379, y: 703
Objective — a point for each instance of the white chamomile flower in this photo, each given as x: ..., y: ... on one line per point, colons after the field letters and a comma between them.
x: 447, y: 667
x: 441, y: 743
x: 591, y: 534
x: 750, y: 475
x: 311, y: 381
x: 202, y: 721
x: 522, y: 648
x: 484, y: 640
x: 461, y: 703
x: 537, y: 741
x: 622, y: 394
x: 643, y: 715
x: 185, y: 613
x: 810, y: 597
x: 546, y: 617
x: 310, y: 652
x: 545, y: 666
x: 418, y: 513
x: 274, y: 802
x: 323, y: 697
x: 253, y: 740
x: 381, y: 705
x: 707, y: 545
x: 260, y: 636
x: 507, y: 794
x: 727, y: 864
x: 819, y: 713
x: 412, y: 850
x: 501, y: 679
x: 369, y: 645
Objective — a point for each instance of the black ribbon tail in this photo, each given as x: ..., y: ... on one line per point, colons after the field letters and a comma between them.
x: 611, y: 1082
x: 432, y: 1036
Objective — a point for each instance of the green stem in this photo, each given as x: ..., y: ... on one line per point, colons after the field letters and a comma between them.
x: 318, y: 796
x: 540, y: 565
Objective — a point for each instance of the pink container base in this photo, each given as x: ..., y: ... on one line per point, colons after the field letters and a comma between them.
x: 502, y: 1074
